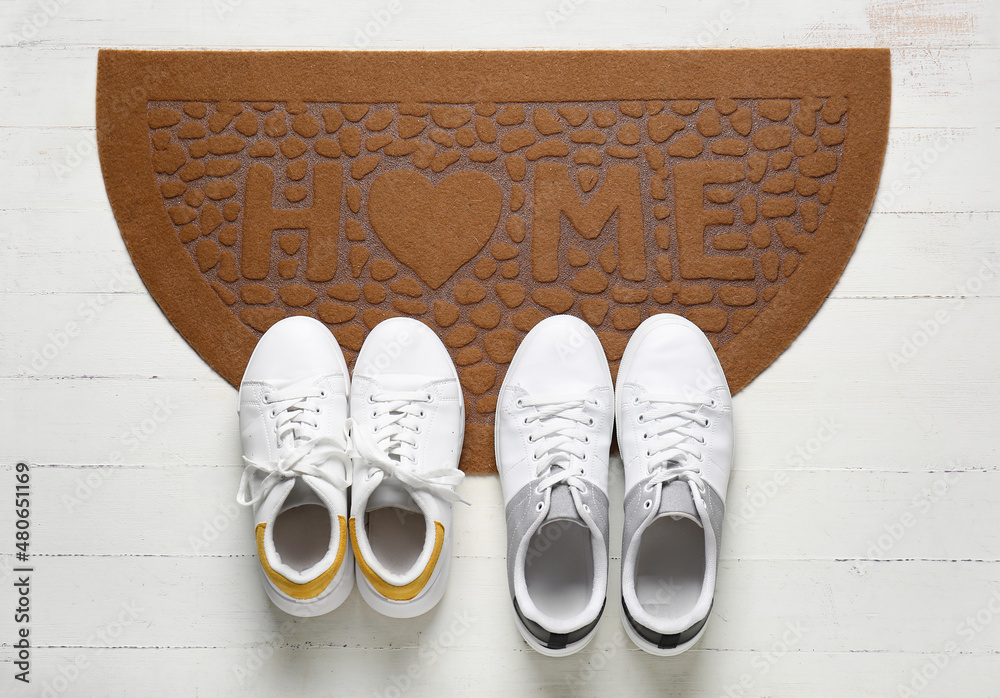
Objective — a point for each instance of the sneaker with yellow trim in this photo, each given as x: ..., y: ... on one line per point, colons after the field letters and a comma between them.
x: 293, y: 404
x: 408, y: 423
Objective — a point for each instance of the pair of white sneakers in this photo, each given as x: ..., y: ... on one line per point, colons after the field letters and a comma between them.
x: 392, y: 436
x: 554, y: 420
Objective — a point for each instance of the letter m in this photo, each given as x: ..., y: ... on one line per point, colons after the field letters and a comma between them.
x: 555, y: 195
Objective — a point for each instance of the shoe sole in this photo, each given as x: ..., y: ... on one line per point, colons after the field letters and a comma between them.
x: 648, y: 326
x: 338, y: 594
x: 548, y: 651
x: 439, y: 580
x: 525, y: 633
x: 332, y: 599
x: 647, y: 646
x: 414, y: 607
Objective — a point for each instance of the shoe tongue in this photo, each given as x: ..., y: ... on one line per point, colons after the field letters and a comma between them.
x: 301, y: 493
x: 562, y: 507
x: 677, y: 502
x: 391, y: 493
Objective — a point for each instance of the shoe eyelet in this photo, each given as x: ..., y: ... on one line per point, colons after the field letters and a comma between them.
x: 540, y: 505
x: 322, y: 393
x: 586, y: 508
x: 518, y: 403
x: 535, y: 456
x: 641, y: 418
x: 648, y: 454
x: 714, y: 403
x: 647, y: 504
x: 421, y: 414
x: 592, y: 422
x: 645, y: 436
x: 416, y: 430
x: 273, y: 414
x: 635, y: 400
x: 586, y: 439
x: 371, y: 399
x: 374, y: 414
x: 430, y: 398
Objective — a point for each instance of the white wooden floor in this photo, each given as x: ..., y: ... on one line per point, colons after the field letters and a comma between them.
x: 861, y: 552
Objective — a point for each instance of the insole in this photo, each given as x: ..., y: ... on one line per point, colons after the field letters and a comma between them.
x: 302, y: 535
x: 396, y: 537
x: 559, y: 569
x: 670, y: 567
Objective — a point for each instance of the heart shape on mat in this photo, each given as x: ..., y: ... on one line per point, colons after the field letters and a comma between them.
x: 434, y: 230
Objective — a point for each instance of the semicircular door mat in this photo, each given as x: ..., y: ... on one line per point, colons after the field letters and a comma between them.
x: 483, y: 191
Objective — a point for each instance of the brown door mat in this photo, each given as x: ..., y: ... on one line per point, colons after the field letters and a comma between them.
x: 483, y: 191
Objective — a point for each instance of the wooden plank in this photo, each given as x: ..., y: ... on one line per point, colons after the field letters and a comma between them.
x: 865, y: 516
x: 219, y: 602
x: 520, y: 23
x: 610, y: 666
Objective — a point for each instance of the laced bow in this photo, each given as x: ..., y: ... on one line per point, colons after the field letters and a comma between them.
x: 390, y: 445
x: 300, y: 452
x: 559, y: 437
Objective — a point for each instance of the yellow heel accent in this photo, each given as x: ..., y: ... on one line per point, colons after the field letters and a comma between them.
x: 307, y: 590
x: 407, y: 591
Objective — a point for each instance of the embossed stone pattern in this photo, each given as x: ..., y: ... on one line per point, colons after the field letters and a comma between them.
x: 481, y: 220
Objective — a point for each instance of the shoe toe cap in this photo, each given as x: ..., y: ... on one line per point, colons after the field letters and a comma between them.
x: 292, y: 349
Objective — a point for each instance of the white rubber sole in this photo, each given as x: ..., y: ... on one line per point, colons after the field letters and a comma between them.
x: 330, y: 600
x: 414, y: 607
x: 534, y: 644
x: 647, y: 646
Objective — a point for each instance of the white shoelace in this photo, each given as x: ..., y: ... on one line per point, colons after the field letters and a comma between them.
x: 559, y: 436
x: 673, y: 444
x: 391, y: 444
x: 300, y: 451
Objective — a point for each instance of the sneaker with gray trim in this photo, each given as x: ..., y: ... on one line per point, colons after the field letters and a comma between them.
x: 674, y: 418
x: 554, y: 423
